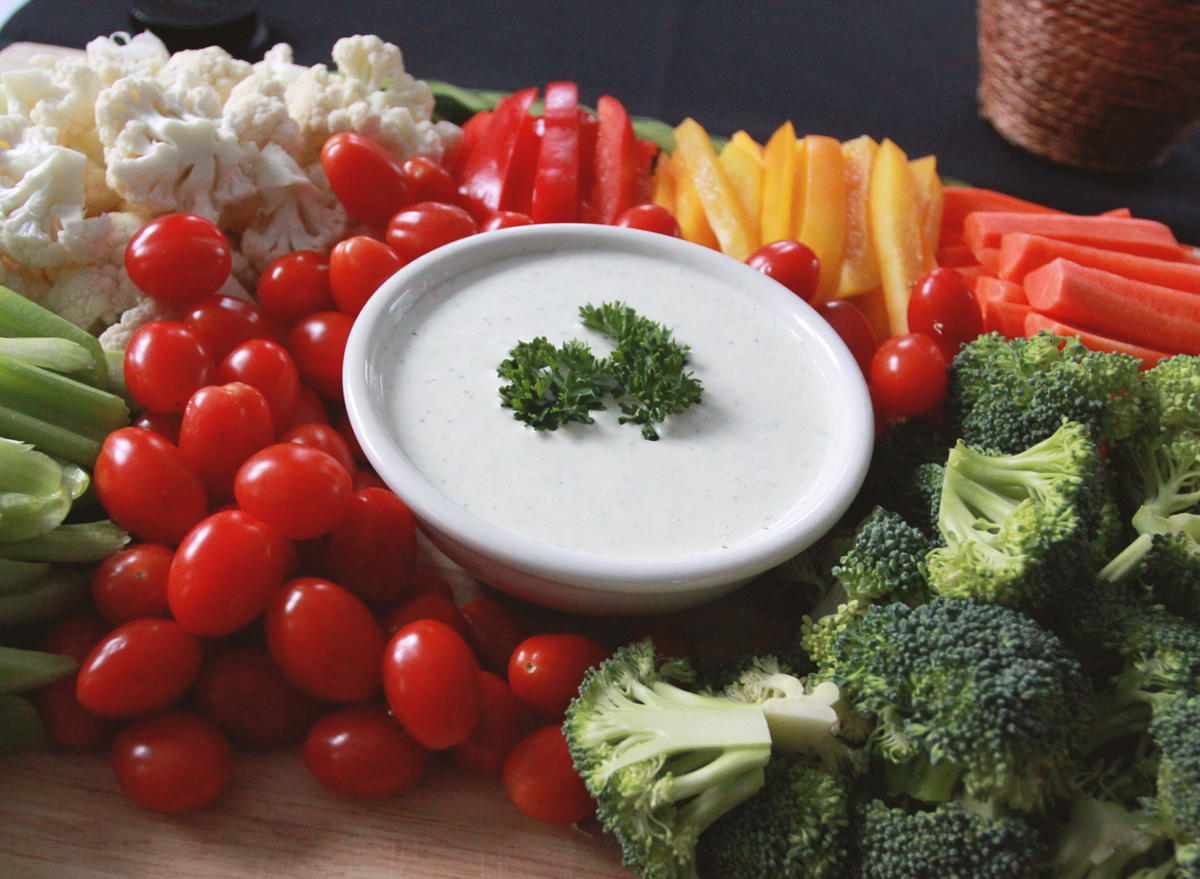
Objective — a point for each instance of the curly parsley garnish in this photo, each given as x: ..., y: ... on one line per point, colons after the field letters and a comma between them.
x: 549, y: 386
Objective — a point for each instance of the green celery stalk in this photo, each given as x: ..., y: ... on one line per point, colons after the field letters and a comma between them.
x: 22, y: 670
x: 57, y: 355
x: 49, y: 438
x: 20, y: 724
x: 17, y: 577
x: 61, y: 401
x: 58, y: 594
x: 21, y: 318
x: 81, y: 542
x: 36, y: 492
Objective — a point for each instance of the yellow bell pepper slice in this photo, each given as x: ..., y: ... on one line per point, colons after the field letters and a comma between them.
x: 749, y: 144
x: 860, y: 268
x: 689, y: 211
x: 779, y: 173
x: 896, y: 230
x: 873, y: 305
x: 929, y: 198
x: 664, y: 183
x: 724, y: 210
x: 822, y: 222
x: 745, y: 173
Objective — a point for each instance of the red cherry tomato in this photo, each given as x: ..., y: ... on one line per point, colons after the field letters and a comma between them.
x: 310, y: 408
x: 791, y: 263
x: 493, y: 632
x: 223, y: 425
x: 372, y: 551
x: 505, y: 220
x: 541, y: 779
x: 367, y: 179
x: 428, y: 606
x: 346, y: 429
x: 361, y: 751
x: 267, y: 366
x: 65, y: 720
x: 317, y: 344
x: 431, y: 681
x: 225, y: 572
x: 297, y: 489
x: 294, y: 286
x: 908, y: 375
x: 144, y: 484
x: 165, y: 363
x: 496, y: 733
x: 243, y: 691
x: 852, y: 325
x: 429, y: 181
x: 75, y: 635
x: 426, y: 226
x: 132, y: 583
x: 139, y: 668
x: 325, y: 438
x: 224, y: 322
x: 650, y: 218
x: 173, y: 762
x: 178, y: 258
x: 545, y: 671
x: 164, y: 424
x: 357, y: 267
x: 325, y: 641
x: 427, y: 581
x: 942, y: 306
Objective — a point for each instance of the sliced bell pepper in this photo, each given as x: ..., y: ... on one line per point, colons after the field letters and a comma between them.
x: 664, y: 183
x: 896, y: 230
x: 517, y: 194
x: 860, y: 268
x: 556, y: 181
x: 929, y: 199
x: 749, y: 144
x: 689, y: 211
x: 487, y: 166
x: 473, y: 131
x: 647, y: 152
x: 822, y: 223
x: 779, y: 172
x: 615, y: 189
x: 722, y: 207
x: 746, y: 174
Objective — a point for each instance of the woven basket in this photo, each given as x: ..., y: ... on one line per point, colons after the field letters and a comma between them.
x: 1101, y: 85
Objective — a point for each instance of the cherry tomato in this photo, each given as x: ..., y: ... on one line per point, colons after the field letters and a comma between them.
x: 651, y: 218
x: 66, y: 721
x: 267, y: 366
x: 428, y: 606
x: 325, y: 641
x: 791, y: 263
x: 496, y: 733
x: 224, y: 322
x: 545, y: 671
x: 346, y: 429
x: 145, y: 486
x: 298, y: 489
x: 357, y: 267
x: 178, y: 258
x: 427, y: 581
x: 852, y: 325
x: 505, y: 220
x: 361, y: 751
x: 542, y: 782
x: 310, y: 408
x: 294, y: 286
x: 225, y: 572
x: 426, y: 226
x: 942, y: 306
x: 367, y: 179
x: 164, y: 424
x: 139, y: 668
x: 372, y: 551
x: 429, y: 181
x: 173, y: 762
x: 75, y: 635
x: 325, y: 438
x: 132, y: 583
x: 368, y: 479
x: 908, y: 375
x: 317, y: 344
x: 223, y: 425
x: 431, y: 681
x: 243, y: 691
x: 165, y: 363
x: 493, y: 632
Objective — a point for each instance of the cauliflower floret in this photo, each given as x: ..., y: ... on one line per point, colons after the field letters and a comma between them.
x: 122, y: 55
x: 256, y: 111
x: 167, y: 150
x: 116, y: 337
x: 371, y: 94
x: 42, y: 195
x: 278, y: 62
x: 212, y: 66
x: 60, y: 94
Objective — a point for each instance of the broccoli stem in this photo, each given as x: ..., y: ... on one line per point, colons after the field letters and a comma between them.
x: 1127, y: 560
x: 710, y: 804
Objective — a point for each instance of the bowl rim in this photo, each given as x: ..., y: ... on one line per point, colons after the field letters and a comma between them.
x: 850, y: 445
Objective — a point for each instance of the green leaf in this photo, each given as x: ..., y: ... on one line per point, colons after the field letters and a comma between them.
x: 549, y: 387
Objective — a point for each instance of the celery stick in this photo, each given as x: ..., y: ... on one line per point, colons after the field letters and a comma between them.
x: 22, y: 670
x: 57, y: 355
x: 60, y: 593
x: 17, y: 577
x: 116, y: 376
x: 49, y: 438
x: 56, y: 399
x: 20, y: 724
x: 82, y: 542
x: 19, y: 317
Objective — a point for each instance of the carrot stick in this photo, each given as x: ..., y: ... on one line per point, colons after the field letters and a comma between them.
x: 1036, y: 322
x: 1150, y: 238
x: 971, y: 274
x: 1004, y: 291
x: 958, y: 201
x: 1134, y: 311
x: 1004, y: 317
x: 1021, y: 253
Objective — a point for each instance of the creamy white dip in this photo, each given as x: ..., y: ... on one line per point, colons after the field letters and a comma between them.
x: 724, y: 470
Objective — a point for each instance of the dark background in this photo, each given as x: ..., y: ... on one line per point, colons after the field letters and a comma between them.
x: 903, y: 69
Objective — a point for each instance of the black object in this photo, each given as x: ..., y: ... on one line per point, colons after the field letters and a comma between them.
x: 234, y: 25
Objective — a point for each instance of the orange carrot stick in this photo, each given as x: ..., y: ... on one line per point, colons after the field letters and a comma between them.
x: 1150, y: 238
x: 1021, y: 253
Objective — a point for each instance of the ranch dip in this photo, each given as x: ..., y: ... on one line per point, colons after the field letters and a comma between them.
x: 724, y: 471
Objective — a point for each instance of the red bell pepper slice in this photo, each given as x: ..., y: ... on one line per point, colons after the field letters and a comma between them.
x: 518, y: 188
x: 556, y: 184
x: 589, y: 131
x: 615, y: 189
x: 474, y: 130
x: 487, y: 167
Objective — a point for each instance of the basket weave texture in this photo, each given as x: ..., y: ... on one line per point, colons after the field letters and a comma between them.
x: 1101, y: 85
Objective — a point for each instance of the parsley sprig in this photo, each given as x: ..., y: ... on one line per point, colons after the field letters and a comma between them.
x: 645, y: 374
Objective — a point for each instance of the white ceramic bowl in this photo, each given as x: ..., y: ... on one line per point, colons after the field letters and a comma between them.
x: 661, y: 573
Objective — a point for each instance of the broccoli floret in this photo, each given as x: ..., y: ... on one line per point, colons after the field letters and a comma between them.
x: 731, y: 672
x: 663, y: 763
x: 949, y: 841
x: 903, y: 447
x: 1173, y: 387
x: 922, y: 498
x: 796, y: 827
x: 1006, y: 395
x: 1175, y: 729
x: 1169, y: 574
x: 886, y: 561
x: 961, y: 691
x: 1019, y: 528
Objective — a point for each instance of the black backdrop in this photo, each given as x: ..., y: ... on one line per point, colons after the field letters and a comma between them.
x: 904, y: 69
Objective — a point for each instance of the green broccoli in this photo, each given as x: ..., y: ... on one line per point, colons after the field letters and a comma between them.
x: 1175, y: 730
x: 1173, y: 389
x: 968, y: 699
x: 1169, y: 574
x: 1102, y: 839
x: 1006, y: 395
x: 663, y: 763
x: 904, y: 446
x: 949, y: 841
x: 921, y: 499
x: 1019, y: 528
x: 886, y: 561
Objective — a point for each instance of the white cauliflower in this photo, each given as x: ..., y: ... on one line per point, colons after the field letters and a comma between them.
x: 60, y: 94
x: 122, y: 55
x: 212, y: 67
x: 256, y: 111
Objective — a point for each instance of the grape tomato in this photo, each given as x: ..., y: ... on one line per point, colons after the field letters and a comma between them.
x: 243, y: 691
x: 426, y: 226
x: 431, y: 681
x: 505, y: 220
x: 497, y: 731
x: 132, y: 583
x: 372, y: 551
x: 791, y: 263
x: 317, y: 344
x: 942, y: 306
x: 908, y: 375
x: 325, y: 438
x: 224, y: 322
x: 173, y: 762
x: 267, y: 366
x: 178, y: 258
x: 367, y: 179
x: 357, y: 267
x: 429, y: 181
x: 299, y: 490
x: 545, y: 671
x: 541, y: 780
x: 650, y: 218
x: 222, y: 426
x: 139, y: 668
x: 294, y: 286
x: 854, y: 329
x: 165, y: 363
x: 361, y: 751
